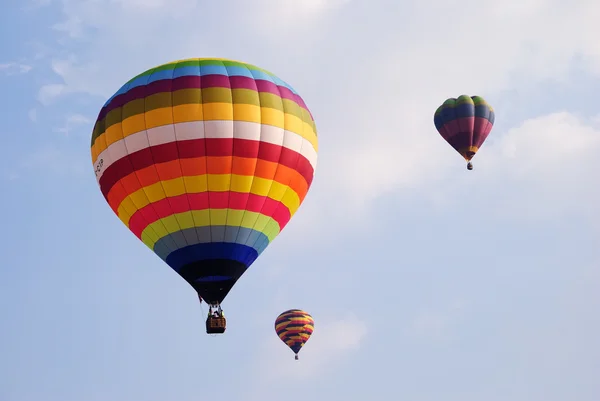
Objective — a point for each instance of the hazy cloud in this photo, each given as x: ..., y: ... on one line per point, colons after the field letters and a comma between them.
x: 73, y: 121
x: 14, y: 68
x: 32, y: 114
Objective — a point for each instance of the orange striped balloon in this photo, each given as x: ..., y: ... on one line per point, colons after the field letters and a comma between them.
x: 294, y: 327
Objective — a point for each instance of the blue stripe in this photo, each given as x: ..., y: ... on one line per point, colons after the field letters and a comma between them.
x: 186, y: 71
x: 483, y: 111
x: 216, y: 250
x: 122, y: 89
x: 448, y: 114
x: 139, y: 81
x: 211, y: 69
x: 437, y: 119
x: 235, y: 71
x: 159, y: 76
x: 256, y: 74
x: 211, y: 234
x: 284, y: 84
x: 465, y: 110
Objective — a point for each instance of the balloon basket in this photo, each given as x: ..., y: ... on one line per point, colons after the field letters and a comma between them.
x: 215, y: 325
x: 296, y: 357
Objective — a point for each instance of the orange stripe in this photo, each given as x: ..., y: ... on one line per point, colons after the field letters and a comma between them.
x: 198, y: 167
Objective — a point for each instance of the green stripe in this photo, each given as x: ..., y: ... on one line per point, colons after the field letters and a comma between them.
x: 464, y: 99
x: 452, y: 103
x: 196, y: 62
x: 478, y: 100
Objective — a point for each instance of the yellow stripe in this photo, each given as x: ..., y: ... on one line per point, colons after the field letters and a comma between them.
x: 208, y: 217
x: 286, y: 323
x: 463, y: 152
x: 100, y: 143
x: 204, y: 112
x: 129, y: 208
x: 303, y: 337
x: 198, y: 184
x: 289, y: 196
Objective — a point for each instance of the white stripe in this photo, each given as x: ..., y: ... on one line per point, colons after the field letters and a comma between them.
x: 247, y: 131
x: 135, y: 143
x: 118, y: 151
x: 271, y: 134
x: 204, y: 129
x: 219, y: 129
x: 293, y: 141
x: 189, y: 130
x: 161, y: 135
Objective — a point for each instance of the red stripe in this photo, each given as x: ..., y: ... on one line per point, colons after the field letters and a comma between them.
x: 199, y: 82
x: 213, y: 200
x: 204, y: 147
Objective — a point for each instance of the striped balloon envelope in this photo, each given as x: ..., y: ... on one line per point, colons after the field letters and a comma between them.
x: 205, y: 161
x: 465, y: 123
x: 294, y: 327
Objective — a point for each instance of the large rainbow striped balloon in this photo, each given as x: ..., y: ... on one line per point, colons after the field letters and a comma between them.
x: 206, y: 161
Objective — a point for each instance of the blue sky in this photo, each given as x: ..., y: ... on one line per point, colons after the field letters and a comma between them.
x: 427, y: 282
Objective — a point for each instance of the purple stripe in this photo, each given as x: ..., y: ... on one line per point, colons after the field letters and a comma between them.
x: 451, y: 128
x: 483, y: 127
x: 466, y: 124
x: 197, y: 82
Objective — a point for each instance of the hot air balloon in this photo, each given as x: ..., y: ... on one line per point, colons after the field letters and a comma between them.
x: 465, y: 123
x: 205, y: 161
x: 294, y: 327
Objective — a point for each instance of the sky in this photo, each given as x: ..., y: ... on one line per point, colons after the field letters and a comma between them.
x: 427, y: 282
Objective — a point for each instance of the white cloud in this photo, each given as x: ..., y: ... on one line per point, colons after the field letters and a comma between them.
x: 480, y: 52
x: 172, y: 30
x: 72, y: 27
x: 270, y: 16
x: 48, y: 93
x: 11, y: 175
x: 14, y: 68
x: 47, y: 156
x: 35, y: 4
x: 72, y: 121
x: 437, y: 324
x: 54, y: 160
x: 32, y: 114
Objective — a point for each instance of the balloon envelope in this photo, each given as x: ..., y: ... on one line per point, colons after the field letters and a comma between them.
x: 205, y: 161
x: 465, y: 123
x: 294, y: 327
